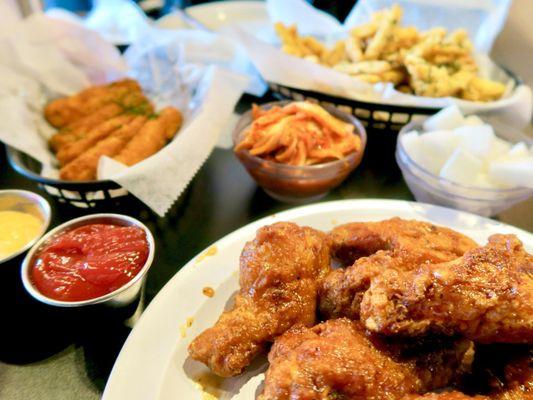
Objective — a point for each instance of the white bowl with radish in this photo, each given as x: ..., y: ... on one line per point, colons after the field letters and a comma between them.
x: 466, y: 163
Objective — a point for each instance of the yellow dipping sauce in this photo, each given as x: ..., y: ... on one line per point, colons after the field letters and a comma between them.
x: 16, y: 230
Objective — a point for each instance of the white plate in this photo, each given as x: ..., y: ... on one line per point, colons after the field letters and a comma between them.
x: 250, y: 15
x: 153, y: 363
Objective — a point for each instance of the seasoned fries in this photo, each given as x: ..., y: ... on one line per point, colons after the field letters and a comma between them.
x: 432, y: 63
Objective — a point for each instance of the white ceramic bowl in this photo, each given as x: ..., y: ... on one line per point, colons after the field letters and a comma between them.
x: 430, y: 188
x: 122, y: 296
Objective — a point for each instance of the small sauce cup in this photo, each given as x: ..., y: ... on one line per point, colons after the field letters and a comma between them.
x: 28, y: 203
x: 292, y: 183
x: 121, y: 297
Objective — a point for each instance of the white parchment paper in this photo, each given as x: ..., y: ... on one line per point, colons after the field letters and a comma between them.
x: 482, y: 19
x: 44, y: 58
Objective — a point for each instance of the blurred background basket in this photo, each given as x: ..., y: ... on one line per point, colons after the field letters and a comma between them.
x: 381, y: 121
x: 88, y: 194
x: 374, y: 116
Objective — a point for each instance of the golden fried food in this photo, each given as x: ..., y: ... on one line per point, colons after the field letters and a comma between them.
x: 63, y: 111
x: 503, y: 371
x: 70, y: 151
x: 431, y: 63
x: 373, y: 247
x: 299, y: 133
x: 152, y: 137
x: 485, y: 295
x: 79, y: 128
x: 517, y: 382
x: 104, y: 120
x: 83, y: 167
x: 338, y: 360
x: 452, y: 395
x: 441, y: 66
x: 279, y: 273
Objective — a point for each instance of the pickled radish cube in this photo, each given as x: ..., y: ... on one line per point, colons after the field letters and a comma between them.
x: 473, y: 120
x: 462, y: 167
x: 483, y: 180
x: 517, y: 172
x: 408, y: 139
x: 447, y: 118
x: 476, y: 139
x: 425, y: 158
x: 498, y: 149
x: 440, y: 144
x: 519, y: 150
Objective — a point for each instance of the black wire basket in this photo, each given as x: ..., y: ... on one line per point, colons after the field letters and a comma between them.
x: 374, y: 116
x: 86, y: 194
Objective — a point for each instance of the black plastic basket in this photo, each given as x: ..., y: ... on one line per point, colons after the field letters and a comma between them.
x: 374, y: 116
x: 86, y: 194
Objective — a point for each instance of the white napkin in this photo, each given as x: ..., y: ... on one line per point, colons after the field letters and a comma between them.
x: 486, y: 21
x: 118, y: 21
x: 172, y: 70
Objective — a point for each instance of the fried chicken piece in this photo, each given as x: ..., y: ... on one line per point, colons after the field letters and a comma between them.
x: 510, y: 376
x: 70, y: 151
x: 338, y: 360
x: 152, y: 137
x: 453, y: 395
x: 517, y: 383
x: 279, y: 271
x: 64, y: 111
x: 83, y: 167
x: 503, y: 371
x: 376, y: 246
x: 486, y: 295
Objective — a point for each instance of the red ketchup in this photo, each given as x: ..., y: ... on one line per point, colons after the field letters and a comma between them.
x: 89, y: 261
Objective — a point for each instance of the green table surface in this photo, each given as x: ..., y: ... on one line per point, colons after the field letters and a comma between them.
x: 51, y: 354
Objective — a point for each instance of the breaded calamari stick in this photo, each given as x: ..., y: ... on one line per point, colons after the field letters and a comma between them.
x: 63, y: 111
x: 70, y: 151
x: 79, y: 129
x: 84, y: 167
x: 152, y: 137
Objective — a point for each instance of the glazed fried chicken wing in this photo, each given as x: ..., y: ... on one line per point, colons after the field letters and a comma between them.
x: 376, y: 246
x: 338, y: 360
x: 517, y: 382
x: 510, y: 372
x: 453, y: 395
x: 486, y: 295
x: 279, y: 271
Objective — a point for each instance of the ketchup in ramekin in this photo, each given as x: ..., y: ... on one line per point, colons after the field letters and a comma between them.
x: 89, y: 261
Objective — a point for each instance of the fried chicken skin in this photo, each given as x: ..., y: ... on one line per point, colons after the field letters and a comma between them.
x: 279, y: 271
x: 373, y: 247
x: 517, y: 382
x: 486, y: 295
x: 338, y: 360
x: 152, y: 137
x: 453, y: 395
x: 509, y: 371
x: 64, y: 111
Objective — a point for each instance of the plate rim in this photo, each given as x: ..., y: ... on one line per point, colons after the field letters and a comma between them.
x: 127, y: 350
x: 206, y: 7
